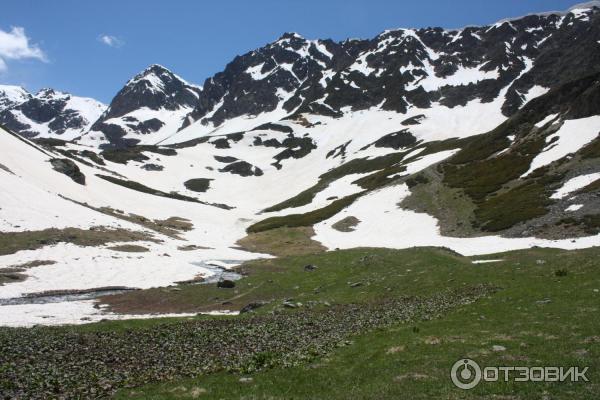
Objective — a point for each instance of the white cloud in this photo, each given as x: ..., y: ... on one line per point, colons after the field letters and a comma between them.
x: 110, y: 40
x: 14, y: 45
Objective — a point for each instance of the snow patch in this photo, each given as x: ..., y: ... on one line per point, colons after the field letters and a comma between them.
x: 575, y: 184
x: 384, y: 224
x: 572, y: 136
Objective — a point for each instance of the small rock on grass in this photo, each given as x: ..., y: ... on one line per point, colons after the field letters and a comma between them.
x: 497, y: 347
x: 433, y: 340
x: 226, y: 284
x: 246, y: 380
x: 289, y: 304
x: 310, y: 267
x: 395, y: 349
x: 252, y: 306
x: 195, y: 392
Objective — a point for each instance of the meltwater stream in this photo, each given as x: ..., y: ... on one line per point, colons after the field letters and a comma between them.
x: 216, y: 270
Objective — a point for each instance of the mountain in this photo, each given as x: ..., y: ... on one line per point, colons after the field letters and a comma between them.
x: 399, y: 70
x: 153, y: 103
x: 480, y: 140
x: 48, y: 113
x: 508, y: 63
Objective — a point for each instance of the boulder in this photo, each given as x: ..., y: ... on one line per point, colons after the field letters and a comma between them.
x: 69, y: 168
x: 226, y: 284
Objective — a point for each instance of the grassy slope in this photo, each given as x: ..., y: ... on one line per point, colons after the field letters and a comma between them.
x: 273, y: 280
x: 535, y: 331
x: 282, y: 242
x: 11, y: 242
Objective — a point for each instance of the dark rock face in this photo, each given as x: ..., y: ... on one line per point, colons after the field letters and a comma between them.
x: 416, y: 120
x: 198, y: 184
x: 396, y: 140
x: 274, y: 127
x: 264, y: 79
x: 242, y: 168
x: 225, y: 159
x: 152, y: 167
x: 69, y: 168
x: 294, y: 147
x: 221, y: 143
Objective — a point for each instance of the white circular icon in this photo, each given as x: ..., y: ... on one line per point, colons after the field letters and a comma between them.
x: 465, y: 374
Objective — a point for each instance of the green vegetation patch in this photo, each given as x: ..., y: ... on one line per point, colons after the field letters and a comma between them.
x: 171, y: 226
x: 492, y: 181
x: 521, y: 203
x: 347, y: 224
x: 384, y: 170
x: 356, y: 166
x: 282, y: 241
x: 11, y: 242
x: 129, y: 248
x: 135, y: 153
x: 307, y: 219
x: 419, y: 179
x: 15, y: 273
x: 479, y: 179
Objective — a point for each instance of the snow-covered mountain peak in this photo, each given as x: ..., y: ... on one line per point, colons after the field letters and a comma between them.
x: 12, y: 95
x: 288, y: 36
x: 155, y: 78
x: 49, y: 113
x: 151, y: 105
x: 49, y: 93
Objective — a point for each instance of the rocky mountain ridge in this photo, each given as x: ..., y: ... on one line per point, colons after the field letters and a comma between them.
x: 48, y: 113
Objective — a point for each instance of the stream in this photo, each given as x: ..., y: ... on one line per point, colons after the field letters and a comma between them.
x: 216, y: 271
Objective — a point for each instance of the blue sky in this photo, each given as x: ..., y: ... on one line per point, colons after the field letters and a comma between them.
x: 91, y: 48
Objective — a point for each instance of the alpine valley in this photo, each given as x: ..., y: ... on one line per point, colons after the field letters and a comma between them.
x: 461, y: 143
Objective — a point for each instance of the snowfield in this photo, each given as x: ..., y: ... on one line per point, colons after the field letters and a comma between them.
x: 383, y: 224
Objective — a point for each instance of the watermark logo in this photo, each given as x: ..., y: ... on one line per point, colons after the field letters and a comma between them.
x: 466, y: 374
